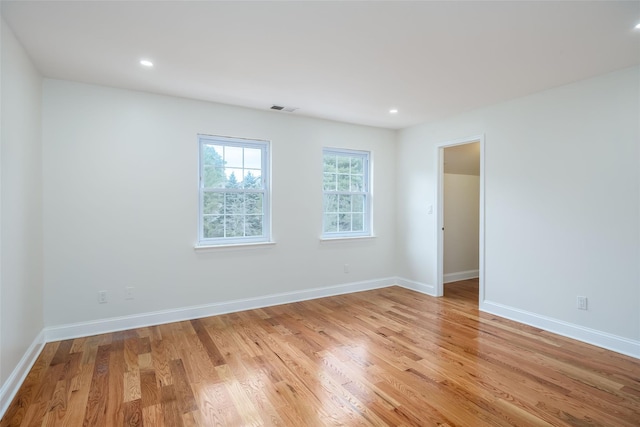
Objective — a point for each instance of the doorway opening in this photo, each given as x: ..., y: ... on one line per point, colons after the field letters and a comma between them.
x: 460, y: 219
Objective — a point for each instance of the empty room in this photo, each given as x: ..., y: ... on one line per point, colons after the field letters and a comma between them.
x: 318, y: 213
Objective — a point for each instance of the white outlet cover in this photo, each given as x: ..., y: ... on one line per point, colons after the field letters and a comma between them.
x: 582, y: 303
x: 102, y: 297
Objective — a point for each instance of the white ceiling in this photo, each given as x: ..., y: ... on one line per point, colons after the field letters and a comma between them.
x: 346, y: 61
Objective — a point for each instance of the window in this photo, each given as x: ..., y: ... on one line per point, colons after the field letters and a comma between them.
x: 234, y: 191
x: 346, y: 198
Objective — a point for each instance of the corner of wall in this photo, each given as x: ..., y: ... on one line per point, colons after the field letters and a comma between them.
x: 10, y: 387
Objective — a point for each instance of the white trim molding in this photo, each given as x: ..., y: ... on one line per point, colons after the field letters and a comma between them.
x: 423, y: 288
x: 113, y: 324
x: 19, y: 374
x: 605, y: 340
x: 461, y: 275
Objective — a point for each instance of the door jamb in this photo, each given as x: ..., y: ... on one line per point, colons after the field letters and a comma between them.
x: 440, y: 213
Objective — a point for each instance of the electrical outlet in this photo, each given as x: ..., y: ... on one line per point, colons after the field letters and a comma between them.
x: 582, y: 303
x: 346, y: 268
x: 102, y: 297
x: 128, y: 292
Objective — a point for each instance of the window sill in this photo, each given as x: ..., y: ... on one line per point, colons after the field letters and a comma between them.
x: 205, y: 248
x: 338, y: 239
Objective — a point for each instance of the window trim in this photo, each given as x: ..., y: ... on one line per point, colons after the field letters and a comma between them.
x: 265, y: 146
x: 368, y: 205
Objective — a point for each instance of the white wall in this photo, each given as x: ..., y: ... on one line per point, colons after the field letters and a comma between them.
x: 117, y: 172
x: 461, y: 225
x: 562, y: 202
x: 120, y: 204
x: 21, y: 316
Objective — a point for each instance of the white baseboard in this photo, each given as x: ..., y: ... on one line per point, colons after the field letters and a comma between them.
x: 19, y: 374
x: 460, y: 275
x: 605, y: 340
x: 102, y: 326
x: 416, y: 286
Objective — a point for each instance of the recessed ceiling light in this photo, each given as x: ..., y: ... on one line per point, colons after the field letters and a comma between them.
x: 637, y: 27
x: 146, y: 63
x: 393, y: 111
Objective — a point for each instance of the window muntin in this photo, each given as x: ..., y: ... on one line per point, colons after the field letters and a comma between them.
x: 346, y: 197
x: 234, y: 191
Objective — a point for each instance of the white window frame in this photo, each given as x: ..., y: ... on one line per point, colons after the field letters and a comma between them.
x: 226, y: 141
x: 366, y: 165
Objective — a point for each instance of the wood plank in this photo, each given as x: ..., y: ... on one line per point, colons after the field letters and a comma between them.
x: 63, y: 352
x: 95, y: 414
x: 187, y: 402
x: 115, y: 401
x: 212, y: 350
x: 152, y: 415
x: 133, y: 414
x: 170, y: 410
x: 160, y: 362
x: 150, y: 395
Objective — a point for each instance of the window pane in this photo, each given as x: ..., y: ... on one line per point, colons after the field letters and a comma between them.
x: 343, y: 183
x: 357, y: 223
x: 213, y: 226
x: 356, y: 165
x: 344, y: 164
x: 344, y: 222
x: 253, y: 158
x: 212, y: 203
x: 357, y: 203
x: 357, y: 183
x: 253, y: 225
x: 329, y: 182
x: 233, y: 203
x: 330, y: 224
x: 344, y: 204
x: 234, y: 178
x: 252, y: 179
x: 234, y: 225
x: 329, y: 164
x: 233, y: 157
x: 253, y: 203
x: 212, y: 177
x: 331, y: 203
x: 212, y: 155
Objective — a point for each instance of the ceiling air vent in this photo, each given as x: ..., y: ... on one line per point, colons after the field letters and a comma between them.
x: 281, y: 108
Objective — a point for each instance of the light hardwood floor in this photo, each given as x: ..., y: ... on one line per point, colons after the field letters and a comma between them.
x: 388, y: 357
